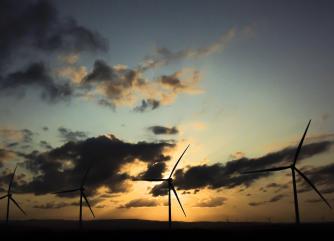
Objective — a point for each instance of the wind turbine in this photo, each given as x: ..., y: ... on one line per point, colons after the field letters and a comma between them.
x: 171, y: 187
x: 81, y: 189
x: 10, y: 198
x: 294, y: 169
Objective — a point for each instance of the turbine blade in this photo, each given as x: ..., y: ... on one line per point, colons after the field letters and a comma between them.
x: 177, y: 197
x: 83, y: 194
x: 72, y: 190
x: 300, y: 144
x: 17, y: 205
x: 12, y: 178
x: 315, y: 189
x: 274, y: 169
x: 153, y: 179
x: 3, y: 196
x: 178, y: 162
x: 86, y: 174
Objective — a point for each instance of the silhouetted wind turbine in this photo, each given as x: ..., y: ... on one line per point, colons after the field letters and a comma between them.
x: 170, y: 183
x: 82, y: 195
x: 10, y: 198
x: 293, y: 170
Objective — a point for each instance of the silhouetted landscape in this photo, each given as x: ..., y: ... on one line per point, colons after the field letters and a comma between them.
x: 158, y: 230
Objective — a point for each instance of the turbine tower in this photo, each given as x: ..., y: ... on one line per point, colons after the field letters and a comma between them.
x: 81, y: 189
x: 171, y: 187
x: 294, y: 169
x: 10, y: 198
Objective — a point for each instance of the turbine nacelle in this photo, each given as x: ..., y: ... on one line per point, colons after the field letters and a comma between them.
x: 171, y: 187
x: 10, y: 198
x: 81, y: 189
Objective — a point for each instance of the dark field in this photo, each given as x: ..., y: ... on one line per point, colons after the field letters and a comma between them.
x: 152, y: 230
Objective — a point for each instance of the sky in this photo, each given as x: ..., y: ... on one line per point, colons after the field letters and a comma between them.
x: 125, y: 86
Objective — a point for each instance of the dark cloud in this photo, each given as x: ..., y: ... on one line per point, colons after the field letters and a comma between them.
x: 45, y: 145
x: 172, y: 81
x: 101, y: 72
x: 254, y: 204
x: 149, y: 104
x: 117, y: 83
x: 63, y: 167
x: 227, y: 175
x: 67, y: 135
x: 277, y: 187
x: 212, y: 202
x: 31, y: 29
x: 160, y: 189
x: 321, y: 176
x: 161, y: 130
x: 154, y: 170
x: 36, y: 75
x: 140, y: 203
x: 122, y: 86
x: 37, y: 26
x: 274, y: 199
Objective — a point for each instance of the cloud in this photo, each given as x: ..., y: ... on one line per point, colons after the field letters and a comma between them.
x: 320, y: 176
x: 149, y: 104
x: 154, y: 170
x: 36, y: 75
x: 162, y: 130
x: 227, y: 175
x: 122, y: 86
x: 45, y: 145
x: 136, y: 203
x: 114, y: 83
x: 14, y: 139
x: 164, y: 56
x: 74, y: 73
x: 212, y: 202
x: 63, y: 167
x: 277, y: 187
x: 69, y: 58
x: 274, y: 199
x: 24, y: 135
x: 53, y: 205
x: 4, y: 155
x: 254, y: 204
x: 34, y: 29
x: 67, y: 135
x: 32, y: 26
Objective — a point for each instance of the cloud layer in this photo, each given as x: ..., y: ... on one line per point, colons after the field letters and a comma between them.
x: 64, y: 167
x: 227, y: 175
